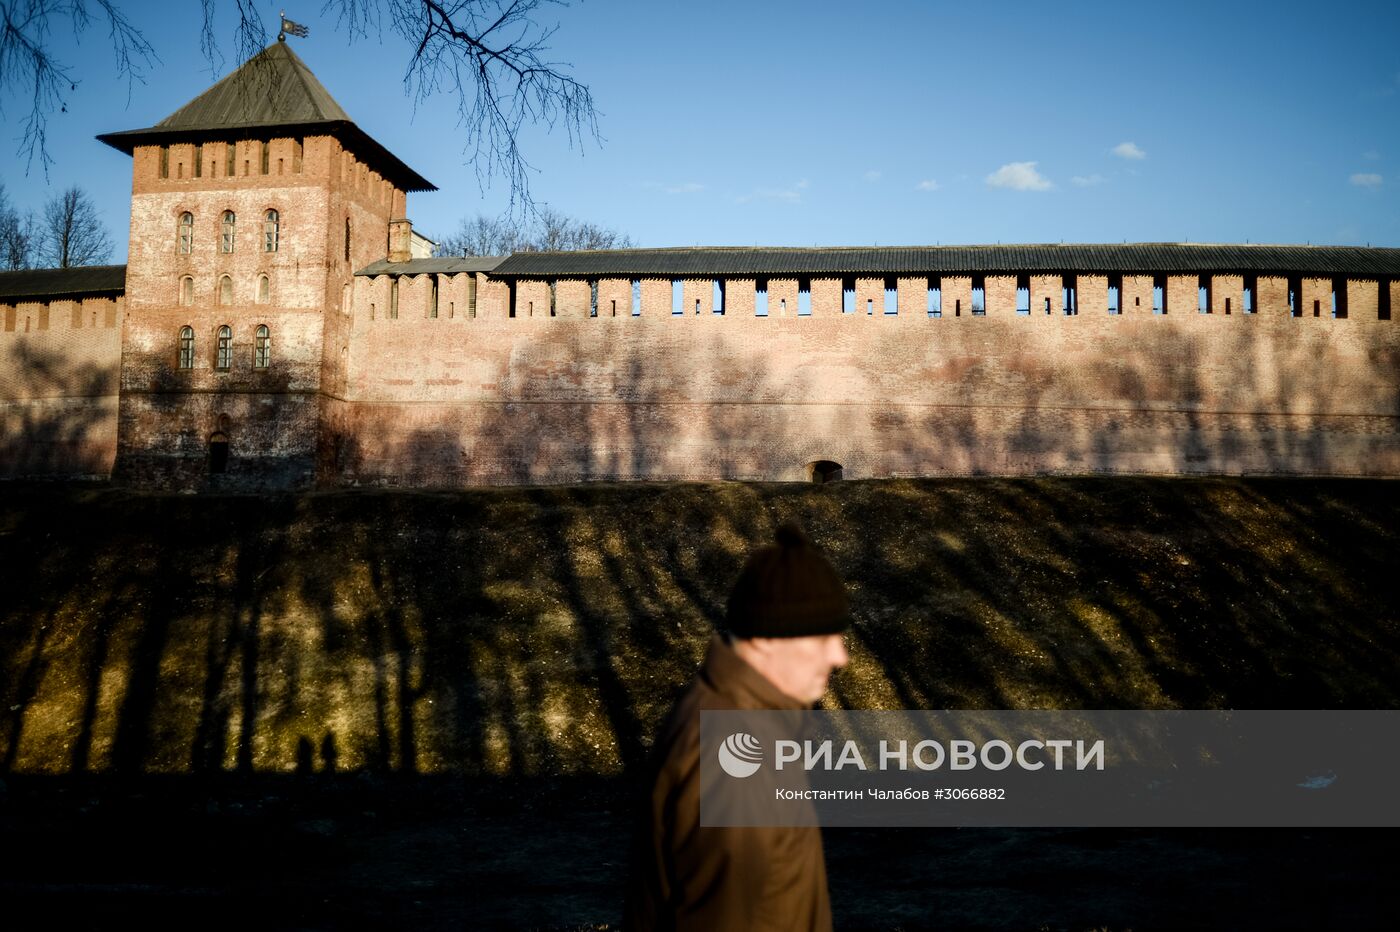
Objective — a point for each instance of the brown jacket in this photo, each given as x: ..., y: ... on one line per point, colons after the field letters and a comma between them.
x: 719, y: 879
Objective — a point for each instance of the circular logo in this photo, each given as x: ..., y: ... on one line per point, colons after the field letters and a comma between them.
x: 740, y: 755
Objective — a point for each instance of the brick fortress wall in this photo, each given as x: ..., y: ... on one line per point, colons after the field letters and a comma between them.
x: 534, y: 398
x: 59, y: 365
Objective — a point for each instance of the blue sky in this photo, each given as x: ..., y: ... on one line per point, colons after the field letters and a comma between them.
x: 807, y: 123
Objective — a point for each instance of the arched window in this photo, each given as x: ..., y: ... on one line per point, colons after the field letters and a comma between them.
x: 263, y: 289
x: 186, y: 347
x: 226, y: 241
x: 223, y: 355
x: 185, y: 240
x: 262, y: 347
x: 394, y: 298
x: 186, y: 291
x: 225, y: 290
x: 270, y: 225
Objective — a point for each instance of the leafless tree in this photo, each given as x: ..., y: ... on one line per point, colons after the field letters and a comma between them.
x: 548, y: 231
x: 71, y: 233
x: 27, y: 64
x: 491, y: 55
x: 16, y: 236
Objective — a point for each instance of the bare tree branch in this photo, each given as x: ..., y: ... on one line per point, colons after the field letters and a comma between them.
x: 493, y: 55
x: 548, y: 231
x: 26, y: 64
x: 16, y: 236
x: 71, y: 232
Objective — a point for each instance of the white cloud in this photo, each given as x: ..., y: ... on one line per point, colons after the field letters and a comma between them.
x: 1088, y: 181
x: 1019, y: 176
x: 927, y: 184
x: 872, y: 175
x: 1129, y: 150
x: 1367, y: 180
x: 789, y: 195
x: 688, y: 187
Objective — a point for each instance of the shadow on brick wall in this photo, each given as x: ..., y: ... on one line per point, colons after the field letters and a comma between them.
x: 58, y: 416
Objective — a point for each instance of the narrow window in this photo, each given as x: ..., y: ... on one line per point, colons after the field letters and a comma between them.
x: 296, y: 157
x: 1382, y: 299
x: 677, y: 293
x: 891, y: 296
x: 1023, y: 294
x: 848, y: 296
x: 614, y: 307
x: 394, y: 299
x: 979, y: 296
x: 957, y: 307
x: 1227, y: 306
x: 510, y: 298
x: 1339, y: 297
x: 262, y: 158
x: 186, y: 291
x: 279, y: 166
x: 697, y: 307
x: 1295, y: 296
x: 185, y: 239
x: 1047, y: 306
x: 225, y: 290
x: 230, y: 159
x: 553, y: 297
x: 636, y: 298
x: 718, y: 290
x: 347, y: 239
x: 179, y: 169
x: 433, y: 297
x: 760, y: 298
x: 593, y: 297
x: 262, y: 347
x: 869, y: 307
x: 1203, y: 295
x: 935, y: 297
x: 1115, y: 294
x: 1317, y: 307
x: 1070, y: 288
x: 263, y: 289
x: 223, y: 355
x: 1159, y: 294
x: 451, y: 309
x: 165, y: 161
x: 199, y: 161
x: 782, y: 307
x: 471, y: 296
x: 229, y: 225
x: 271, y: 226
x: 1251, y: 290
x: 804, y: 298
x: 186, y: 347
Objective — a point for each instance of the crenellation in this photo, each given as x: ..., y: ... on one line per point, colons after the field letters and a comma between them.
x: 1000, y: 295
x: 1047, y: 296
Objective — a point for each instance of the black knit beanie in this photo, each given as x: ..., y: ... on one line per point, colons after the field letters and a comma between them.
x: 787, y: 590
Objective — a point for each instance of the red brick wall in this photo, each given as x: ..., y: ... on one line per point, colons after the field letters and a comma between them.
x: 531, y: 400
x: 59, y: 378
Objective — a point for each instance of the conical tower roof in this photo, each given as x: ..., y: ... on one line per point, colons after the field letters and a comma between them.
x: 273, y: 90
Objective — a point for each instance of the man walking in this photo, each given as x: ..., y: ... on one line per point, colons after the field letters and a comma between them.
x: 784, y: 622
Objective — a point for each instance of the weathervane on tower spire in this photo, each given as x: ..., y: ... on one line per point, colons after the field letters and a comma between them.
x: 290, y: 28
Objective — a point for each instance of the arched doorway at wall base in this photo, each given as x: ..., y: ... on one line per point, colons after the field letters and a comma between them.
x: 218, y: 452
x: 823, y: 471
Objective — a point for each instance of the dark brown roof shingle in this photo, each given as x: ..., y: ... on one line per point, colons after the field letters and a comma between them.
x: 761, y: 262
x: 273, y: 89
x: 57, y: 284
